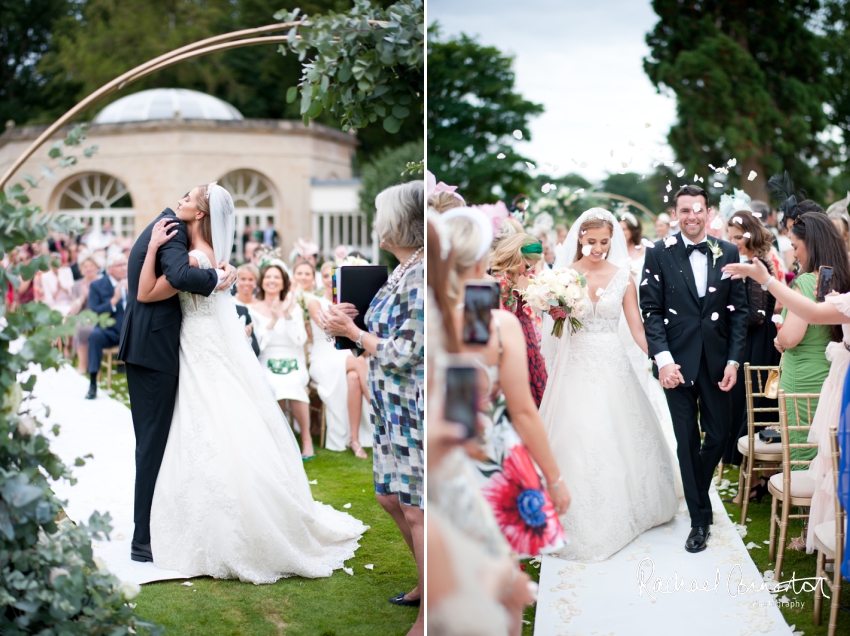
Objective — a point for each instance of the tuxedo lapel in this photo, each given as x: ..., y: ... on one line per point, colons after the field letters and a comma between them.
x: 714, y: 271
x: 680, y: 253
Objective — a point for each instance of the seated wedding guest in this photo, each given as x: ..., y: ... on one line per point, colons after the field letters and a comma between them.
x: 339, y: 376
x: 279, y: 327
x: 107, y: 295
x: 507, y: 399
x: 90, y: 270
x: 834, y: 311
x: 804, y: 363
x: 246, y: 284
x: 754, y: 242
x: 304, y: 288
x: 662, y: 226
x: 509, y: 263
x: 395, y: 341
x: 29, y: 290
x: 73, y: 260
x: 57, y: 283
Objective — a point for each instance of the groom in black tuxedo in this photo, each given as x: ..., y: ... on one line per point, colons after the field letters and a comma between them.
x: 696, y: 325
x: 150, y: 341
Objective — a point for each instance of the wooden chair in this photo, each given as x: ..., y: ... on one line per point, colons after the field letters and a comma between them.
x: 316, y: 404
x: 109, y: 356
x: 790, y: 487
x: 758, y: 457
x: 829, y: 543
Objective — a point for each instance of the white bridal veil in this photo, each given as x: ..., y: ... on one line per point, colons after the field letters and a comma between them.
x: 555, y: 349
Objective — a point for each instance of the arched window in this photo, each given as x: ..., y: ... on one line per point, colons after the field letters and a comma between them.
x: 102, y: 202
x: 256, y: 205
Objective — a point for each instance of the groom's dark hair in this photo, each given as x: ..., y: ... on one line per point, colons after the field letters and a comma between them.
x: 690, y: 191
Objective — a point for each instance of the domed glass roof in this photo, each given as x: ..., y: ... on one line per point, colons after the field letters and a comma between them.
x: 166, y: 103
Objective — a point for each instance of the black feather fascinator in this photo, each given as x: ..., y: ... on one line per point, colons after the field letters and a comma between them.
x: 781, y: 189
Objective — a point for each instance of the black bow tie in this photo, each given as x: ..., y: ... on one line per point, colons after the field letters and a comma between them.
x: 702, y: 247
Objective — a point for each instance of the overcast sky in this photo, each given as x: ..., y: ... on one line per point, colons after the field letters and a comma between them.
x: 581, y: 59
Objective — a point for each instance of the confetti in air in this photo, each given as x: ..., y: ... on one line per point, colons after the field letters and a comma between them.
x: 517, y: 134
x: 599, y: 292
x: 730, y: 307
x: 647, y: 243
x: 670, y: 241
x: 673, y: 311
x: 738, y: 220
x: 717, y: 223
x: 656, y: 277
x: 681, y: 173
x: 665, y: 198
x: 732, y: 162
x: 530, y: 165
x: 666, y: 321
x: 717, y: 184
x: 712, y: 289
x: 697, y: 207
x: 669, y: 187
x: 501, y: 155
x: 674, y: 222
x: 586, y: 250
x: 644, y: 282
x: 647, y: 125
x: 753, y: 174
x: 777, y: 318
x: 746, y: 235
x: 715, y: 316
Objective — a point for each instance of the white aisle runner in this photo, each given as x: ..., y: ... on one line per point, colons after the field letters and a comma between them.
x: 104, y: 428
x: 605, y: 598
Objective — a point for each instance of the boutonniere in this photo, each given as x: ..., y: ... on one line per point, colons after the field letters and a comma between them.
x: 716, y: 251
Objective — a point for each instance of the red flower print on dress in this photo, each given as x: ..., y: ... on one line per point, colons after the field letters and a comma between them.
x: 522, y: 507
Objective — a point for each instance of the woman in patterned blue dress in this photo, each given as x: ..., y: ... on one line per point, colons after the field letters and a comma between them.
x: 396, y: 342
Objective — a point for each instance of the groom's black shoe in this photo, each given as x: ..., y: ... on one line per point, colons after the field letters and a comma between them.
x: 697, y: 538
x: 92, y: 394
x: 141, y: 552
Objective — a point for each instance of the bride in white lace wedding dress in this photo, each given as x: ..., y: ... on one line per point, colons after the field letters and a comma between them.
x: 601, y: 425
x: 232, y: 498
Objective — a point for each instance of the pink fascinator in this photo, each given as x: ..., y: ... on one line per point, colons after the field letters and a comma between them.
x: 433, y: 187
x: 496, y: 212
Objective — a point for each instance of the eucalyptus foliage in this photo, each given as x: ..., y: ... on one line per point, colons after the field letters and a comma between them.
x: 360, y: 72
x: 50, y: 582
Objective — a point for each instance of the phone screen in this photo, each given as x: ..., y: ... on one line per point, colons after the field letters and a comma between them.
x: 825, y: 282
x: 462, y: 397
x: 477, y: 303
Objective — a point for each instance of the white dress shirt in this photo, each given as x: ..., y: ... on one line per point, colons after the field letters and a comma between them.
x: 699, y: 265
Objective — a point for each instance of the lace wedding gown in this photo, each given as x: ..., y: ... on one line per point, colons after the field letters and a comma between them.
x: 232, y: 498
x: 605, y: 435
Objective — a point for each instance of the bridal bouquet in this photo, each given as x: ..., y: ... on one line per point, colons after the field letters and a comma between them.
x: 556, y: 288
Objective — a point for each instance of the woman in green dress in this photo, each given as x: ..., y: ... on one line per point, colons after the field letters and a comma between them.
x: 805, y: 366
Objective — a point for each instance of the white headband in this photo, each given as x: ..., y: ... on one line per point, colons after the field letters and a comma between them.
x: 485, y: 227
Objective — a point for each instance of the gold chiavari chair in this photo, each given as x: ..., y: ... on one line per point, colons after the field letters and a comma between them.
x: 758, y: 457
x: 829, y: 543
x: 790, y: 487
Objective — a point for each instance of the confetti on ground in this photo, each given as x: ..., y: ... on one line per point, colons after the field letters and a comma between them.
x: 187, y: 583
x: 314, y: 482
x: 369, y: 566
x: 348, y: 571
x: 348, y: 505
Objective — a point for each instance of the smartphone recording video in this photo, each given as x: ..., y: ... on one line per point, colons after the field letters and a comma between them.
x: 825, y: 282
x: 462, y: 397
x: 477, y: 302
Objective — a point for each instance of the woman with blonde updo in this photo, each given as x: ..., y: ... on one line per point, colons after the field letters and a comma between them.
x: 511, y: 260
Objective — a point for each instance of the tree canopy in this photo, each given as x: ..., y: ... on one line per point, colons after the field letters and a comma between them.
x: 72, y: 64
x: 749, y: 78
x: 473, y: 111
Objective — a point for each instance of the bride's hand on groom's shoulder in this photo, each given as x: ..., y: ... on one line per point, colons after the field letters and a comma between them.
x: 160, y: 233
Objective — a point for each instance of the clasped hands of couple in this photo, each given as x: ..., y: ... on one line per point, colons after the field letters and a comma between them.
x: 669, y: 375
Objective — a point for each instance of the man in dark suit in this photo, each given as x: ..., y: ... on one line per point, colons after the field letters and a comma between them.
x: 696, y: 325
x: 107, y: 295
x: 245, y: 315
x: 150, y: 341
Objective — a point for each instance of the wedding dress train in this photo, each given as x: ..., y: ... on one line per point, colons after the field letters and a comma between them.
x: 605, y: 435
x: 232, y: 498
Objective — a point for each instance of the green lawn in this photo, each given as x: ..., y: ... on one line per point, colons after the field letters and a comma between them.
x: 336, y: 606
x: 758, y: 531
